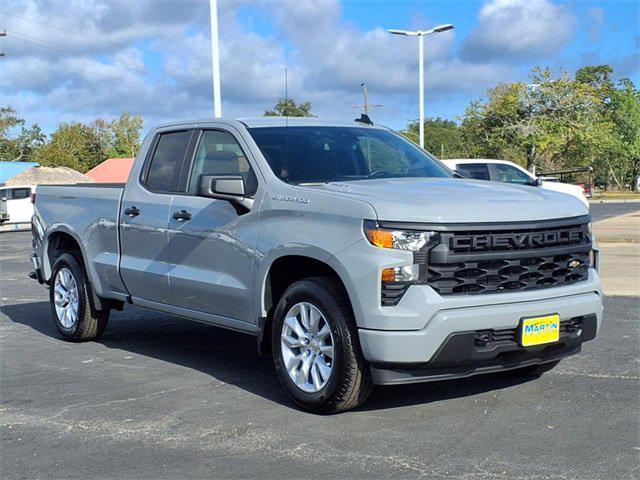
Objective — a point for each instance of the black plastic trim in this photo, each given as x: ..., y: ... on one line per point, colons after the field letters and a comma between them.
x: 460, y: 357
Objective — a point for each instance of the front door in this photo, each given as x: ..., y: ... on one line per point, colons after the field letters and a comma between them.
x: 144, y: 219
x: 212, y: 240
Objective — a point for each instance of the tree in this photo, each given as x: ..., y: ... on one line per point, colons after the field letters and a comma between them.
x: 287, y: 107
x: 559, y: 122
x: 73, y: 145
x: 441, y: 137
x: 548, y: 122
x: 624, y: 111
x: 18, y: 142
x: 126, y: 135
x: 120, y: 137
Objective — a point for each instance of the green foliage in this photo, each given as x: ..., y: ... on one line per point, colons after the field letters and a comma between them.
x: 288, y: 108
x: 124, y: 135
x: 555, y: 122
x: 441, y: 137
x: 18, y: 142
x: 75, y: 145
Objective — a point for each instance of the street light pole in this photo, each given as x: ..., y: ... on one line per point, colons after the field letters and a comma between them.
x: 421, y: 86
x: 421, y: 34
x: 215, y: 59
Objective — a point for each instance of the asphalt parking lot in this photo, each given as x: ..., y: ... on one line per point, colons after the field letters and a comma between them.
x: 161, y: 397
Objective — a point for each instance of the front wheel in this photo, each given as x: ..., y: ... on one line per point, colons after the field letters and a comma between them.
x: 315, y: 347
x: 71, y: 304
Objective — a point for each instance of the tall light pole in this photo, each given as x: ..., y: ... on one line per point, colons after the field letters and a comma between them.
x: 421, y: 34
x: 215, y: 59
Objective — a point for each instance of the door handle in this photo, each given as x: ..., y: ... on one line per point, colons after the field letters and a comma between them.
x: 132, y: 211
x: 182, y: 215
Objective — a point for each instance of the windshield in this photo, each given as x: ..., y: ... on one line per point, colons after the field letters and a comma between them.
x: 302, y: 155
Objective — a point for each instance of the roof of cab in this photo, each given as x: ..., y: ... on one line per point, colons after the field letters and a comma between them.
x: 258, y: 122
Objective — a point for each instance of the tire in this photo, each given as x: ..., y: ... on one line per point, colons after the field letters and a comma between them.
x: 89, y: 323
x: 349, y: 381
x: 533, y: 370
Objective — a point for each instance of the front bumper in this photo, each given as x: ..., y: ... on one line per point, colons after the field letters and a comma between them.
x: 405, y: 356
x: 472, y: 353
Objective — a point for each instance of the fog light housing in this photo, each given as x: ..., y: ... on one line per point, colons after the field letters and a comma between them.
x: 408, y: 273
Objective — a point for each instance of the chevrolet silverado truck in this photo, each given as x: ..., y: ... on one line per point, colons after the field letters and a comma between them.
x: 353, y: 256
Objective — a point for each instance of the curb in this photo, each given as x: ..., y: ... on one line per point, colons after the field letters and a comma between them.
x: 621, y: 200
x: 600, y: 240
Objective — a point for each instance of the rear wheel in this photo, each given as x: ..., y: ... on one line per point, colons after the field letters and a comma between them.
x: 71, y: 304
x: 533, y: 370
x: 315, y: 347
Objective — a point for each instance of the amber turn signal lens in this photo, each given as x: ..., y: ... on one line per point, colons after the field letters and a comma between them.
x: 388, y: 275
x: 380, y: 238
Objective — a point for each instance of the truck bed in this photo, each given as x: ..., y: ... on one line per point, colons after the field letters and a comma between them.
x: 89, y: 213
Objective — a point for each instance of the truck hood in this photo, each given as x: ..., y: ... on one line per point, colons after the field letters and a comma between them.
x: 448, y: 200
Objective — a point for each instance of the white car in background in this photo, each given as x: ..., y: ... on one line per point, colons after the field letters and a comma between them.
x: 509, y: 172
x: 17, y: 199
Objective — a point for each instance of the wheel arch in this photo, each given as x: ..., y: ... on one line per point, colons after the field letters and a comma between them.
x: 285, y: 269
x: 61, y: 239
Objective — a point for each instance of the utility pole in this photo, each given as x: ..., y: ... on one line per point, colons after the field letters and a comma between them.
x: 215, y: 59
x: 3, y: 34
x: 366, y: 106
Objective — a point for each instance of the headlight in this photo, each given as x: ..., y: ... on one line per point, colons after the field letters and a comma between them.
x: 411, y: 240
x: 415, y: 241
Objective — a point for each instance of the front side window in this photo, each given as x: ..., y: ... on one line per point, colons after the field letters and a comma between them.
x: 302, y: 155
x: 219, y: 153
x: 477, y: 171
x: 509, y: 174
x: 164, y: 171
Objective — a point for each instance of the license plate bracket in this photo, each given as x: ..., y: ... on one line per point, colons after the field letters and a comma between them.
x: 539, y: 330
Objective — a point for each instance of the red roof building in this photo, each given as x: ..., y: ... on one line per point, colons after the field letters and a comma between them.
x: 112, y: 170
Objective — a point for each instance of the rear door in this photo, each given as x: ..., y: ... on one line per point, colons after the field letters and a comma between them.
x: 145, y: 258
x: 19, y: 206
x: 212, y: 240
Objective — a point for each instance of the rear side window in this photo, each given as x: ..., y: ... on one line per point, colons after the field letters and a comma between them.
x: 477, y: 171
x: 20, y: 193
x: 164, y: 171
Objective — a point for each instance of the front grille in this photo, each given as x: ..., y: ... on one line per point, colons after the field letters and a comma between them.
x: 499, y: 260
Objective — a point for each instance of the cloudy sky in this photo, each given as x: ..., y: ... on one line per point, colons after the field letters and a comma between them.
x: 68, y: 60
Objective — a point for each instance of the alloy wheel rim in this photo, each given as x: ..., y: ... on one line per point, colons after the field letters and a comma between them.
x: 307, y: 347
x: 65, y: 294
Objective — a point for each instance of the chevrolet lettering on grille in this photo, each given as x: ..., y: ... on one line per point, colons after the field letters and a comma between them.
x: 525, y: 240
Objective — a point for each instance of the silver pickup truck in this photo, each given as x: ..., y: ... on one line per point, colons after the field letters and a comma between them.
x: 353, y: 256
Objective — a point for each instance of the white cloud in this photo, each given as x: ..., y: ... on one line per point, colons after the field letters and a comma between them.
x: 79, y: 60
x: 519, y: 30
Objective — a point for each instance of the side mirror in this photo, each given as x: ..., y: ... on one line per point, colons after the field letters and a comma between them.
x: 223, y: 187
x: 537, y: 182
